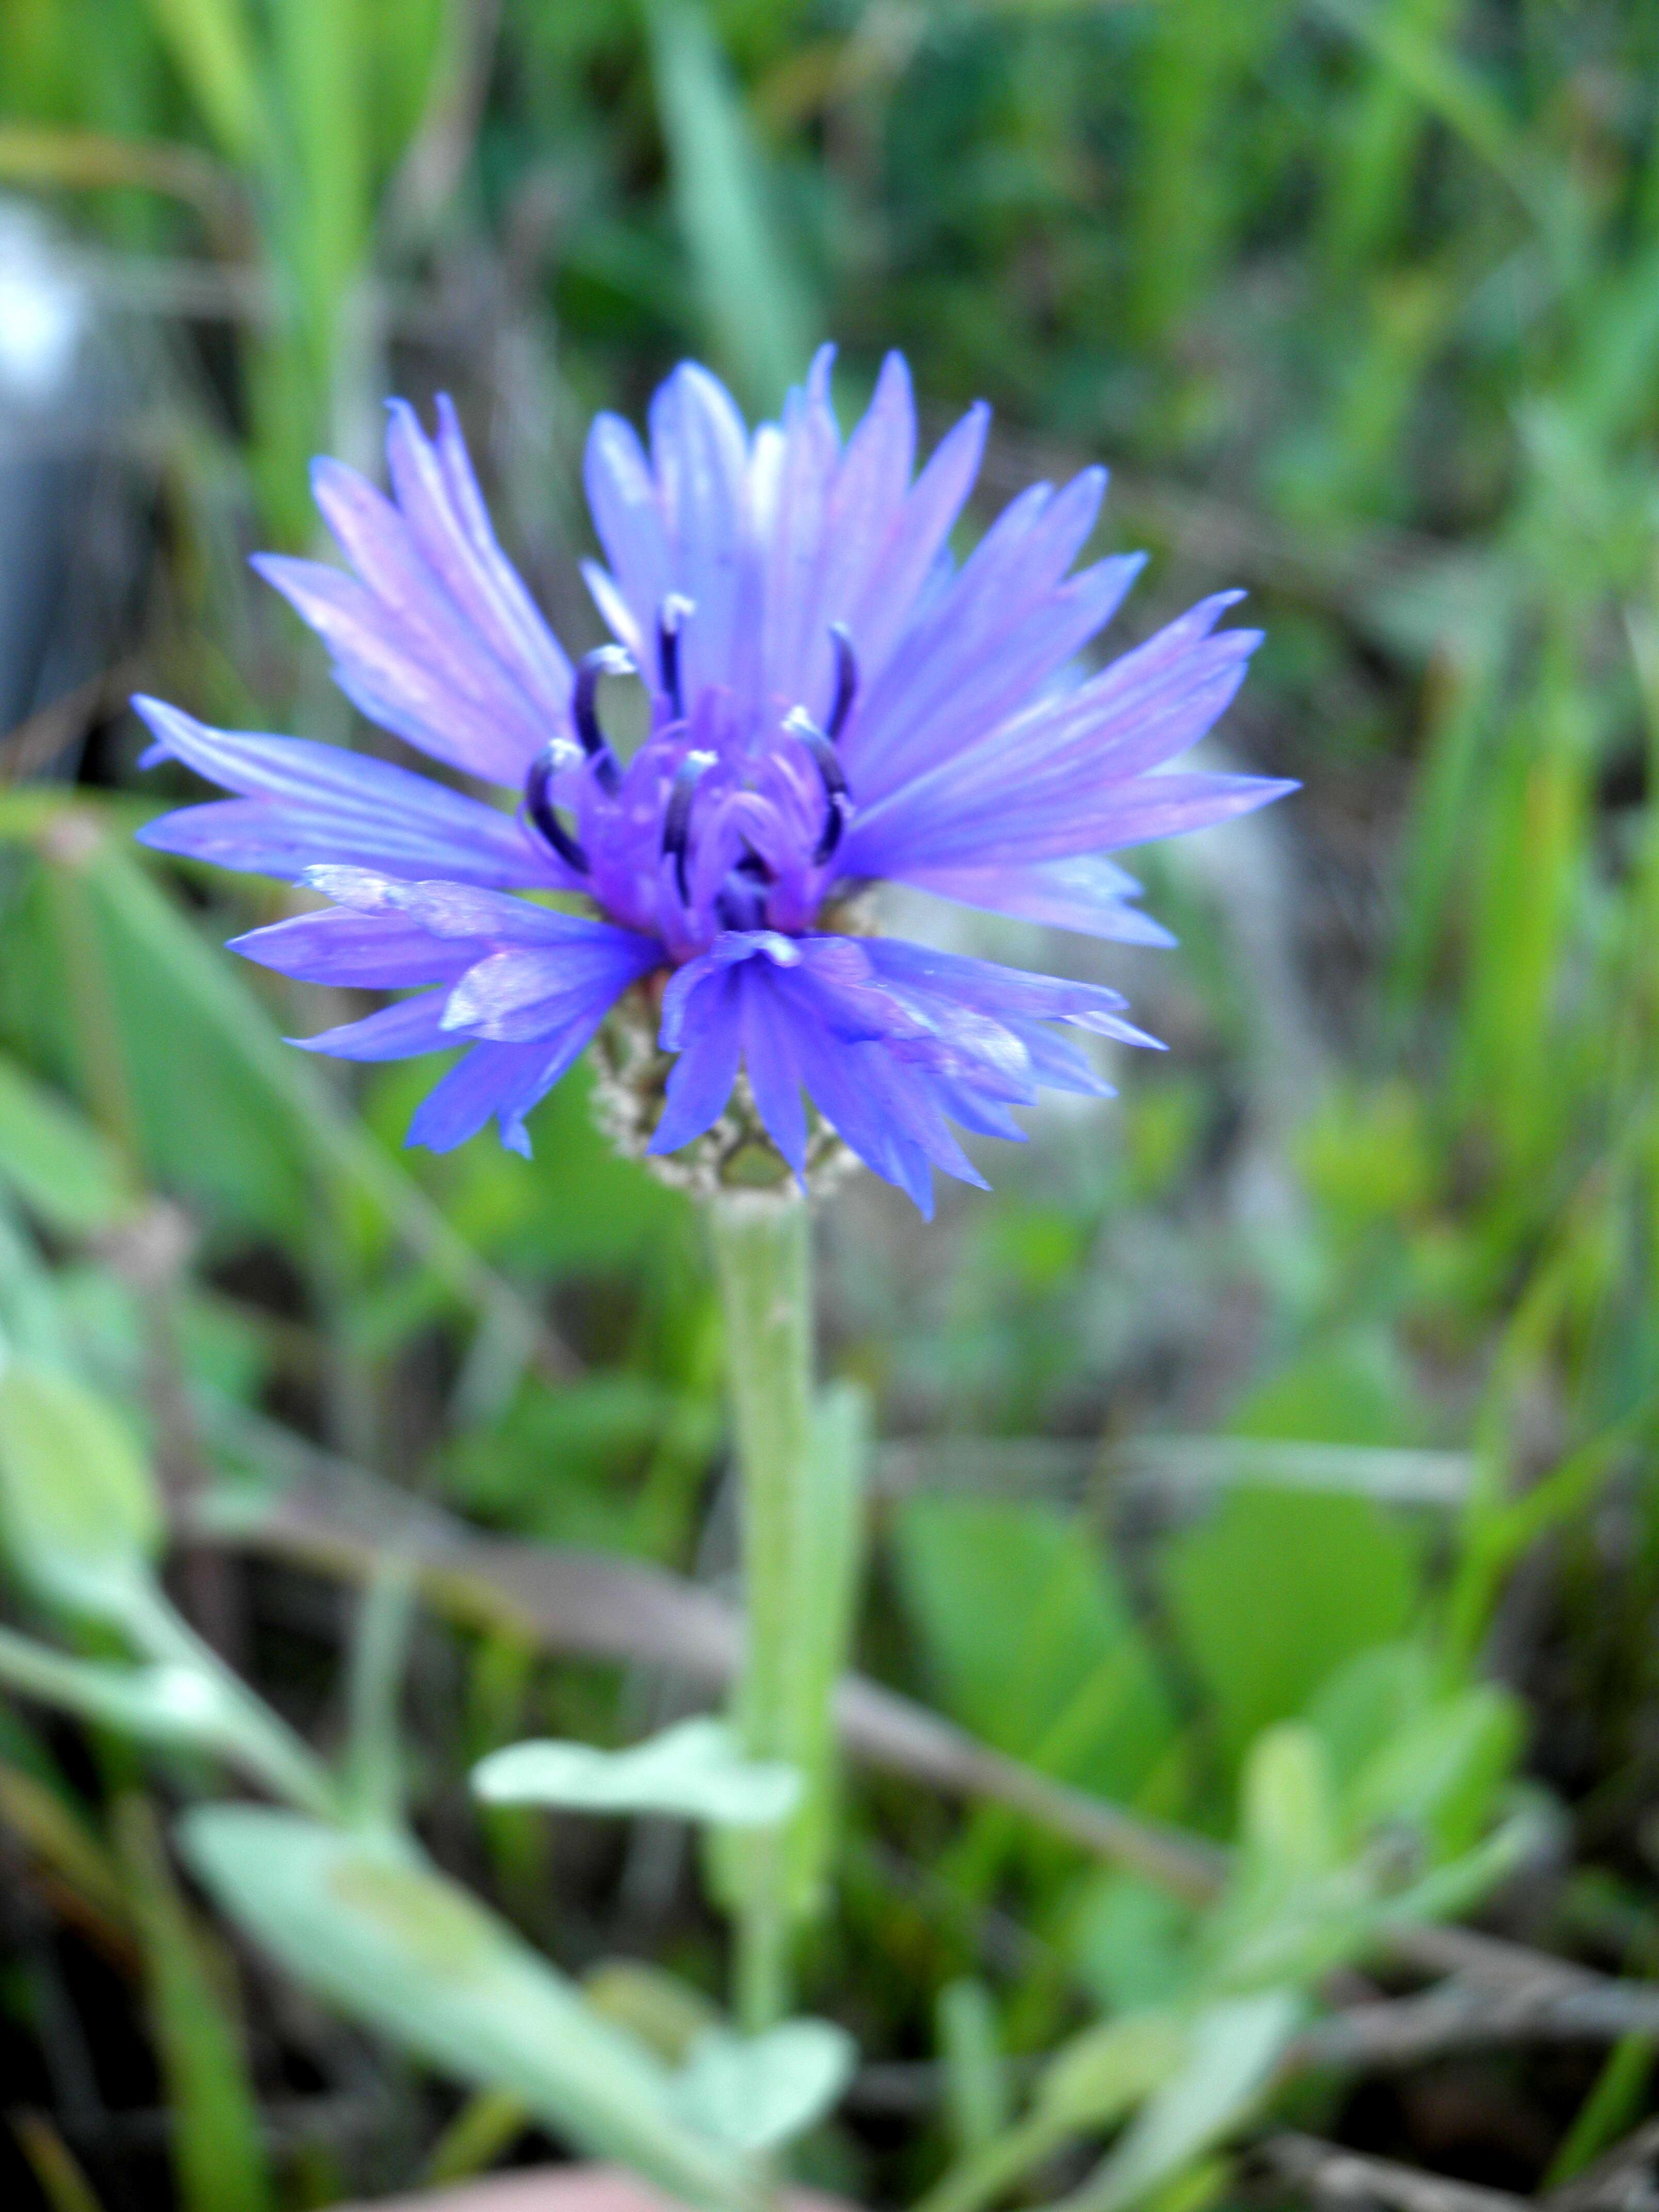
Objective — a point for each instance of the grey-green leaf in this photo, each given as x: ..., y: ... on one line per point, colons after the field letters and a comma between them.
x: 1230, y: 2055
x: 695, y: 1770
x: 1094, y: 2080
x: 374, y: 1930
x: 81, y: 1517
x: 758, y: 2092
x: 753, y: 298
x: 56, y: 1162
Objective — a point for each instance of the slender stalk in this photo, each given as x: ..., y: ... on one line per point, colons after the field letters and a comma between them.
x: 761, y: 1256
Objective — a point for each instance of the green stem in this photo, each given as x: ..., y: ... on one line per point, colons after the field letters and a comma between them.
x: 762, y: 1259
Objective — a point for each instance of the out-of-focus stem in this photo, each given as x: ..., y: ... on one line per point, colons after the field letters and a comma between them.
x: 761, y: 1254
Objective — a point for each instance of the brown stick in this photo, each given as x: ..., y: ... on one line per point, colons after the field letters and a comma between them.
x: 1332, y: 2175
x: 339, y: 1519
x: 334, y: 1516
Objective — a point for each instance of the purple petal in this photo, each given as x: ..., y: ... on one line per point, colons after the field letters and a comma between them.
x: 795, y: 646
x: 914, y: 541
x: 1057, y: 1064
x: 1064, y: 779
x: 399, y: 1032
x: 368, y: 952
x: 513, y: 997
x: 503, y: 1080
x: 972, y: 1109
x: 869, y: 491
x: 629, y: 519
x: 438, y: 491
x: 1087, y: 893
x: 459, y: 910
x: 409, y: 661
x: 699, y: 1082
x: 436, y: 636
x: 1001, y: 664
x: 1013, y: 571
x: 986, y: 985
x: 772, y: 1063
x: 845, y: 1086
x: 729, y: 950
x: 699, y: 449
x: 303, y: 803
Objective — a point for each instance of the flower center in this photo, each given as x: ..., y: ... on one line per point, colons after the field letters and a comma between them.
x: 705, y: 828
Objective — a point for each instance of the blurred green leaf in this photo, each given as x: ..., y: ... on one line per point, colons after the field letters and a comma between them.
x: 380, y: 1648
x: 1095, y: 2079
x: 754, y: 301
x: 667, y: 2014
x: 391, y: 1943
x: 1031, y: 1640
x: 1229, y: 2059
x: 55, y: 1159
x: 62, y: 2183
x: 1443, y: 1771
x: 189, y: 1702
x: 695, y: 1771
x: 56, y: 1831
x: 218, y: 2151
x: 977, y: 2086
x: 1289, y: 1807
x: 81, y: 1519
x: 1131, y: 1943
x: 212, y: 42
x: 758, y: 2092
x: 1274, y: 1592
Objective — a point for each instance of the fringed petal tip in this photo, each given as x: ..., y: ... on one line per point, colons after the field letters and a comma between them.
x: 514, y: 1135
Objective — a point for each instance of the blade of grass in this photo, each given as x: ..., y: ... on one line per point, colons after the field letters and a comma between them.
x: 755, y: 302
x: 53, y: 2164
x: 211, y: 43
x: 218, y: 2155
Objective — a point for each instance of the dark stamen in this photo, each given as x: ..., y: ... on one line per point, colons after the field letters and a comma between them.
x: 671, y: 619
x: 831, y: 775
x: 603, y: 660
x: 538, y: 803
x: 677, y: 815
x: 846, y: 678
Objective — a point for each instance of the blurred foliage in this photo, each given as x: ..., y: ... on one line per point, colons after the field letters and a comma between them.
x: 1361, y: 297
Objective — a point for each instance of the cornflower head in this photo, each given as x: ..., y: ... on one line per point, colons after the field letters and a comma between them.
x: 832, y: 705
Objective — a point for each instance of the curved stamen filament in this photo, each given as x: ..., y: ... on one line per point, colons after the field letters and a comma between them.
x: 603, y: 660
x: 538, y: 805
x: 677, y: 817
x: 846, y: 678
x: 831, y: 775
x: 671, y: 619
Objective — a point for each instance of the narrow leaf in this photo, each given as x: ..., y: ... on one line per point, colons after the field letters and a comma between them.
x: 369, y: 1926
x: 754, y: 302
x: 56, y: 1161
x: 694, y: 1770
x: 218, y: 2154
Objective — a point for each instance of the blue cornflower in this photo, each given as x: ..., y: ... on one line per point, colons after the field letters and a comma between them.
x: 832, y: 704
